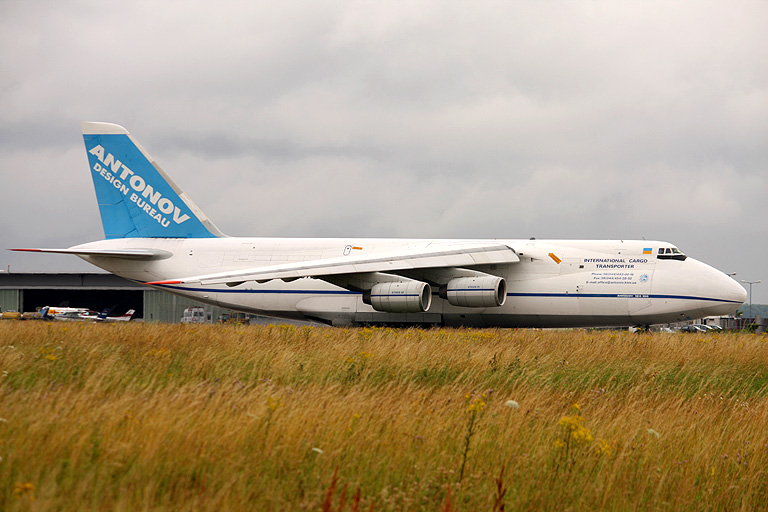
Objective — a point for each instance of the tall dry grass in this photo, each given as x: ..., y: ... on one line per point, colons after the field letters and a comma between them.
x: 148, y: 417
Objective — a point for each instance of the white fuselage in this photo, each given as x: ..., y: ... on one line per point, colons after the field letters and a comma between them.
x: 556, y: 283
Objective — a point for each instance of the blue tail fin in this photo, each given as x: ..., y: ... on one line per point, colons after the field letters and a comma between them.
x: 136, y: 198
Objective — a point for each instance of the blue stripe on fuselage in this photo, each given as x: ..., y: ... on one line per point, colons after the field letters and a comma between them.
x: 550, y: 295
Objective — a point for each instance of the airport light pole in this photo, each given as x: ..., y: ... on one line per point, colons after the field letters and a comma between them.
x: 750, y: 283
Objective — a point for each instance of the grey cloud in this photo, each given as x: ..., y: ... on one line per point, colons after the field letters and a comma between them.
x: 428, y: 119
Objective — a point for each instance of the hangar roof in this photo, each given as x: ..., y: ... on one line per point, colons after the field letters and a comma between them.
x: 81, y: 280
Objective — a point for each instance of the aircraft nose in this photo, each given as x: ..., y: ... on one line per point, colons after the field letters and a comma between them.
x: 721, y: 288
x: 737, y: 292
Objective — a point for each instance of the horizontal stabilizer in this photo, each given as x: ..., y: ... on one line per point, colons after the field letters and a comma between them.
x: 131, y: 254
x: 436, y: 256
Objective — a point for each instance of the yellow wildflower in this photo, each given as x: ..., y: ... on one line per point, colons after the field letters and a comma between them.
x: 24, y: 489
x: 477, y: 405
x: 582, y: 435
x: 603, y: 447
x: 571, y: 422
x: 157, y: 352
x: 353, y: 421
x: 574, y: 425
x: 273, y: 403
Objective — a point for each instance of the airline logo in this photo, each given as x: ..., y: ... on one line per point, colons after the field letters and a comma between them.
x: 647, y: 250
x: 136, y: 189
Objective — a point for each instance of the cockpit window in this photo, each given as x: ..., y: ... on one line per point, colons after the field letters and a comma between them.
x: 671, y: 253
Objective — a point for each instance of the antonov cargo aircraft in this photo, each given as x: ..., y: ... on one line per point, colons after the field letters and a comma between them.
x: 156, y: 235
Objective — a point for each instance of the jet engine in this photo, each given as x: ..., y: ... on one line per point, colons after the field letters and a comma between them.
x: 399, y: 297
x: 475, y: 292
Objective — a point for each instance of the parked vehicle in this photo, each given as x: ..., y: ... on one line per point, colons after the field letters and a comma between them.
x: 193, y: 315
x: 234, y: 317
x: 700, y: 328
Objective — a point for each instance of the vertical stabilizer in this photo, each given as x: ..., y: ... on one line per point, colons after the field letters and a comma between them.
x: 136, y: 198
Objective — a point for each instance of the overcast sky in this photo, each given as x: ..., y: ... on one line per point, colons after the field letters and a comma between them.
x: 598, y: 120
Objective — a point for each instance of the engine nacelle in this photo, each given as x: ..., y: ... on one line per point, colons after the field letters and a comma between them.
x: 399, y: 297
x: 475, y: 292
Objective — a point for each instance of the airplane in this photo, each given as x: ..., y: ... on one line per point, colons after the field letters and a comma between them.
x: 50, y: 312
x: 156, y: 235
x: 70, y: 314
x: 122, y: 318
x: 82, y: 315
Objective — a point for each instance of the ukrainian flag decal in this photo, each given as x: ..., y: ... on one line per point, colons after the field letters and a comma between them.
x: 647, y: 250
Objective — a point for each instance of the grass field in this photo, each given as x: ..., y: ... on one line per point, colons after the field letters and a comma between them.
x: 153, y: 417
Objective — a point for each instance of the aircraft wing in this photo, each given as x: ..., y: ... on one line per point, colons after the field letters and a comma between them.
x: 133, y: 254
x: 437, y: 255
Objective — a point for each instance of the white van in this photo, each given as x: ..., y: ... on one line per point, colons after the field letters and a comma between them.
x: 195, y: 315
